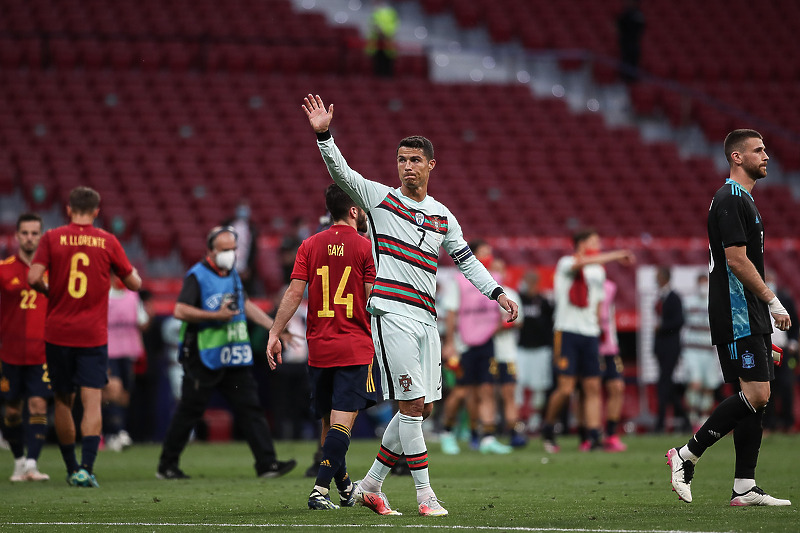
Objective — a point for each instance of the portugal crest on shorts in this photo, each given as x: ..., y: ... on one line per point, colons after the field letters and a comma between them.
x: 405, y: 382
x: 420, y: 218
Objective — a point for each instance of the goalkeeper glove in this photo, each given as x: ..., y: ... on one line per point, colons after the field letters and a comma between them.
x: 777, y: 355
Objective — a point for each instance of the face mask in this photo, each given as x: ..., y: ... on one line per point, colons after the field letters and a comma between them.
x: 225, y: 260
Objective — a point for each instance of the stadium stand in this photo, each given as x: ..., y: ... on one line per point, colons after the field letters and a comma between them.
x: 175, y: 111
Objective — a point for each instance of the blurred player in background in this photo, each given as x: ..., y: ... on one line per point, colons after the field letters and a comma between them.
x: 474, y: 320
x: 79, y: 259
x: 338, y: 268
x: 535, y: 351
x: 741, y: 309
x: 699, y: 358
x: 780, y: 410
x: 408, y: 227
x: 127, y: 319
x: 578, y: 287
x: 504, y: 366
x: 23, y: 373
x: 611, y: 368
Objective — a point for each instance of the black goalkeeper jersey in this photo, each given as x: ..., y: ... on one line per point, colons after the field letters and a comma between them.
x: 733, y: 220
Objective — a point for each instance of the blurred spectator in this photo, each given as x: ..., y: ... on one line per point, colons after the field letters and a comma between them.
x: 779, y: 414
x: 535, y: 353
x: 667, y: 348
x: 247, y: 253
x: 290, y: 243
x: 380, y: 43
x: 630, y: 27
x: 699, y: 356
x: 126, y: 320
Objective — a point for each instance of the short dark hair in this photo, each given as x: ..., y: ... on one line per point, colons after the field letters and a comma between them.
x: 338, y: 202
x: 665, y: 273
x: 734, y: 140
x: 84, y: 200
x: 29, y: 217
x: 582, y: 234
x: 418, y: 141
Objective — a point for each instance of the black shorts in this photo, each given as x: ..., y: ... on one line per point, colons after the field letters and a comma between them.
x: 503, y: 373
x: 748, y: 359
x: 24, y: 381
x: 122, y: 368
x: 72, y: 367
x: 611, y: 367
x: 341, y: 388
x: 476, y: 363
x: 576, y: 355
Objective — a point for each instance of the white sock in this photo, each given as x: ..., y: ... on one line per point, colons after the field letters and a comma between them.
x: 740, y: 486
x: 373, y: 481
x: 686, y: 455
x: 414, y: 447
x: 321, y: 490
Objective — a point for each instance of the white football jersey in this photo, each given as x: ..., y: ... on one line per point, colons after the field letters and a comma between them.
x: 406, y: 237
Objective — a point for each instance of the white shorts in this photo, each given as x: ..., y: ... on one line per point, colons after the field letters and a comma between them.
x: 409, y: 354
x: 702, y: 366
x: 535, y: 368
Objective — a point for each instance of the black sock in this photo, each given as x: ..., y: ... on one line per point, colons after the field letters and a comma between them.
x: 13, y: 436
x: 747, y: 442
x: 583, y: 433
x: 594, y: 436
x: 725, y: 417
x: 89, y: 446
x: 611, y: 427
x: 68, y: 454
x: 337, y: 440
x: 548, y: 432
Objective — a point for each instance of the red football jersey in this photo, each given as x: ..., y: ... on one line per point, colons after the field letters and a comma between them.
x: 22, y: 314
x: 337, y: 263
x: 79, y: 259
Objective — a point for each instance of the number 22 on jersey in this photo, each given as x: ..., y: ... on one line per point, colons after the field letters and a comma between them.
x: 339, y: 298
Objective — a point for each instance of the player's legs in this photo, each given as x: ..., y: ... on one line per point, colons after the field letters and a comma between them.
x: 565, y: 361
x: 592, y: 408
x: 343, y: 392
x: 615, y: 388
x: 565, y: 385
x: 116, y: 398
x: 14, y: 436
x: 746, y: 361
x: 91, y: 425
x: 37, y: 426
x: 91, y: 375
x: 452, y: 406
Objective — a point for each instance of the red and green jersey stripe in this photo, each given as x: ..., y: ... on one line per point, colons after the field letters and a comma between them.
x: 403, y: 292
x: 407, y: 253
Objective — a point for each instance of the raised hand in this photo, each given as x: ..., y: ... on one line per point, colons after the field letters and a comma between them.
x: 315, y: 111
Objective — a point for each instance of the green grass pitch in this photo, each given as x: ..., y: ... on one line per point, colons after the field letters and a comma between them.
x: 525, y: 491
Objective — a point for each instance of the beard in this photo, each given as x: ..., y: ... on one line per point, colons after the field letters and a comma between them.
x: 756, y: 173
x: 361, y: 222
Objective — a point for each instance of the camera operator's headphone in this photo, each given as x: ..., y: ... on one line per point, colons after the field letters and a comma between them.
x: 216, y: 231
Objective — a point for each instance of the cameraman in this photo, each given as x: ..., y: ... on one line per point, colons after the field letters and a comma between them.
x: 216, y: 353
